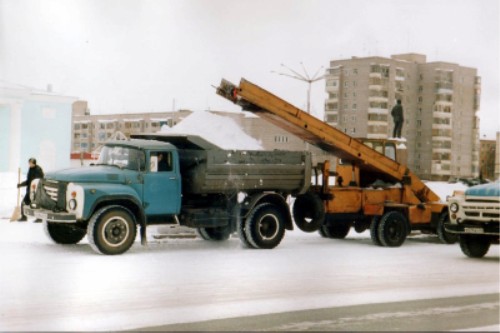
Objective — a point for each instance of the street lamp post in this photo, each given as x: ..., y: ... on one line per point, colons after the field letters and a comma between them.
x: 306, y: 78
x: 303, y: 77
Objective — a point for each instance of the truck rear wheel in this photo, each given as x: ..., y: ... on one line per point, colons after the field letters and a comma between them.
x: 335, y: 229
x: 240, y: 229
x: 474, y: 246
x: 214, y: 234
x: 392, y: 230
x: 265, y: 226
x: 444, y: 236
x: 374, y: 230
x: 308, y: 212
x: 112, y: 230
x: 64, y: 233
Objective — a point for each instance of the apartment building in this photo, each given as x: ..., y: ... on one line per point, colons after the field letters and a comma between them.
x: 487, y: 158
x: 440, y: 102
x: 89, y: 132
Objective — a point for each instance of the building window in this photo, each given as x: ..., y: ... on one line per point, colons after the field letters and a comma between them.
x: 346, y: 84
x: 355, y: 71
x: 354, y: 106
x: 281, y: 139
x: 77, y: 126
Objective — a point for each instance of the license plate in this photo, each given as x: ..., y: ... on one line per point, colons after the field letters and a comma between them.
x: 474, y: 230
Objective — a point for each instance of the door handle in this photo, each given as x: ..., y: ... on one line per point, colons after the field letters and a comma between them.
x: 172, y: 178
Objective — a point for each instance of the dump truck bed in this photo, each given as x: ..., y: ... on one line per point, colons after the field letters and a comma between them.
x: 207, y: 169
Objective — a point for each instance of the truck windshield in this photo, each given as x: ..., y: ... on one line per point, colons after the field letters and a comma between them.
x: 122, y: 157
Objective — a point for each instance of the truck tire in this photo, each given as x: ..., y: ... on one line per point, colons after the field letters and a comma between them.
x: 392, y: 230
x: 474, y: 246
x: 112, y: 230
x: 335, y: 229
x: 444, y: 236
x: 217, y: 234
x: 265, y: 226
x: 374, y: 230
x: 240, y: 230
x: 64, y: 233
x: 308, y: 212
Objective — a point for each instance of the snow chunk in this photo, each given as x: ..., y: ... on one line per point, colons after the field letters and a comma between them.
x: 221, y: 131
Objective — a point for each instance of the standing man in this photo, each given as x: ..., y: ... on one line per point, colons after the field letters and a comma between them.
x: 397, y: 116
x: 34, y: 172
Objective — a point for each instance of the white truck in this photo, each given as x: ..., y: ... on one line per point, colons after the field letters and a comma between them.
x: 475, y: 217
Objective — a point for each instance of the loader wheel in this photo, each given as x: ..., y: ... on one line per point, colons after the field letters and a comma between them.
x: 335, y: 229
x: 308, y: 212
x: 215, y: 234
x: 112, y: 230
x: 392, y: 230
x: 265, y: 226
x: 474, y: 246
x: 64, y: 233
x: 444, y: 236
x: 374, y: 230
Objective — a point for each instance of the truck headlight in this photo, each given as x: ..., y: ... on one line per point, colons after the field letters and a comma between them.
x: 72, y: 204
x: 33, y: 187
x: 75, y: 198
x: 454, y: 207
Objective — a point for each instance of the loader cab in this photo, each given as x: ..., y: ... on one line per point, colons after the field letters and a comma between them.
x: 348, y: 174
x: 394, y: 149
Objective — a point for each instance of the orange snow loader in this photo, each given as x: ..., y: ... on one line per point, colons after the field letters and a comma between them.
x: 373, y: 187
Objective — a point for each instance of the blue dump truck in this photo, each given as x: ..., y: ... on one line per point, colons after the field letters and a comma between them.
x: 475, y: 217
x: 171, y: 179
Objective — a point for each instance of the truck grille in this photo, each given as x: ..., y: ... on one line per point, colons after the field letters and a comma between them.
x: 52, y: 189
x: 51, y: 195
x: 487, y: 211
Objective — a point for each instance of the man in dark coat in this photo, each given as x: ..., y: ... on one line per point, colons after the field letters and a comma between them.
x: 34, y: 172
x: 397, y: 116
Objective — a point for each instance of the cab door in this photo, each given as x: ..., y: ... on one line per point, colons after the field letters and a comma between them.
x: 162, y: 184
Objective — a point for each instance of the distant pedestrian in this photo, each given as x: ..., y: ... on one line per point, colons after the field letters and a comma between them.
x: 34, y: 172
x: 398, y: 118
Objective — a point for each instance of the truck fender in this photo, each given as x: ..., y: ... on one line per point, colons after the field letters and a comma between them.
x: 129, y: 202
x: 272, y: 198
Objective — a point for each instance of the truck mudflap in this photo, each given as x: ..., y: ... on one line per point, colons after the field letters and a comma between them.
x: 473, y: 228
x: 50, y: 216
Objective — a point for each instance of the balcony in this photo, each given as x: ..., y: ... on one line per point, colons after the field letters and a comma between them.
x: 378, y: 111
x: 332, y: 89
x: 399, y: 78
x: 375, y: 75
x: 378, y: 99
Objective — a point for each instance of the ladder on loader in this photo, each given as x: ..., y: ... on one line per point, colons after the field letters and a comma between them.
x: 419, y: 204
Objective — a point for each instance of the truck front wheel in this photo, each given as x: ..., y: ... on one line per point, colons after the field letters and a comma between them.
x: 265, y: 226
x: 64, y: 233
x: 112, y: 230
x: 474, y: 246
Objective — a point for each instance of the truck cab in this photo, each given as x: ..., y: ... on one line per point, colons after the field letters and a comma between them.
x: 475, y: 217
x: 134, y: 182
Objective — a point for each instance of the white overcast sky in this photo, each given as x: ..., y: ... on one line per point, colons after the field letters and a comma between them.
x: 152, y: 55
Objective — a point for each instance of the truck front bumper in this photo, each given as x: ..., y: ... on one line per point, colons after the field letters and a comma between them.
x: 50, y: 216
x: 473, y: 228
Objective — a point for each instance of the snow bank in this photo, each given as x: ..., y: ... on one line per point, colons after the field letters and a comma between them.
x: 221, y: 131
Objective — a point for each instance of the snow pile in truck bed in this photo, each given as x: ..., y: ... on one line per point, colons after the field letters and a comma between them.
x: 221, y: 131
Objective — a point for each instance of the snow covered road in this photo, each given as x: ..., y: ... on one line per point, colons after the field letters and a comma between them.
x: 44, y: 286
